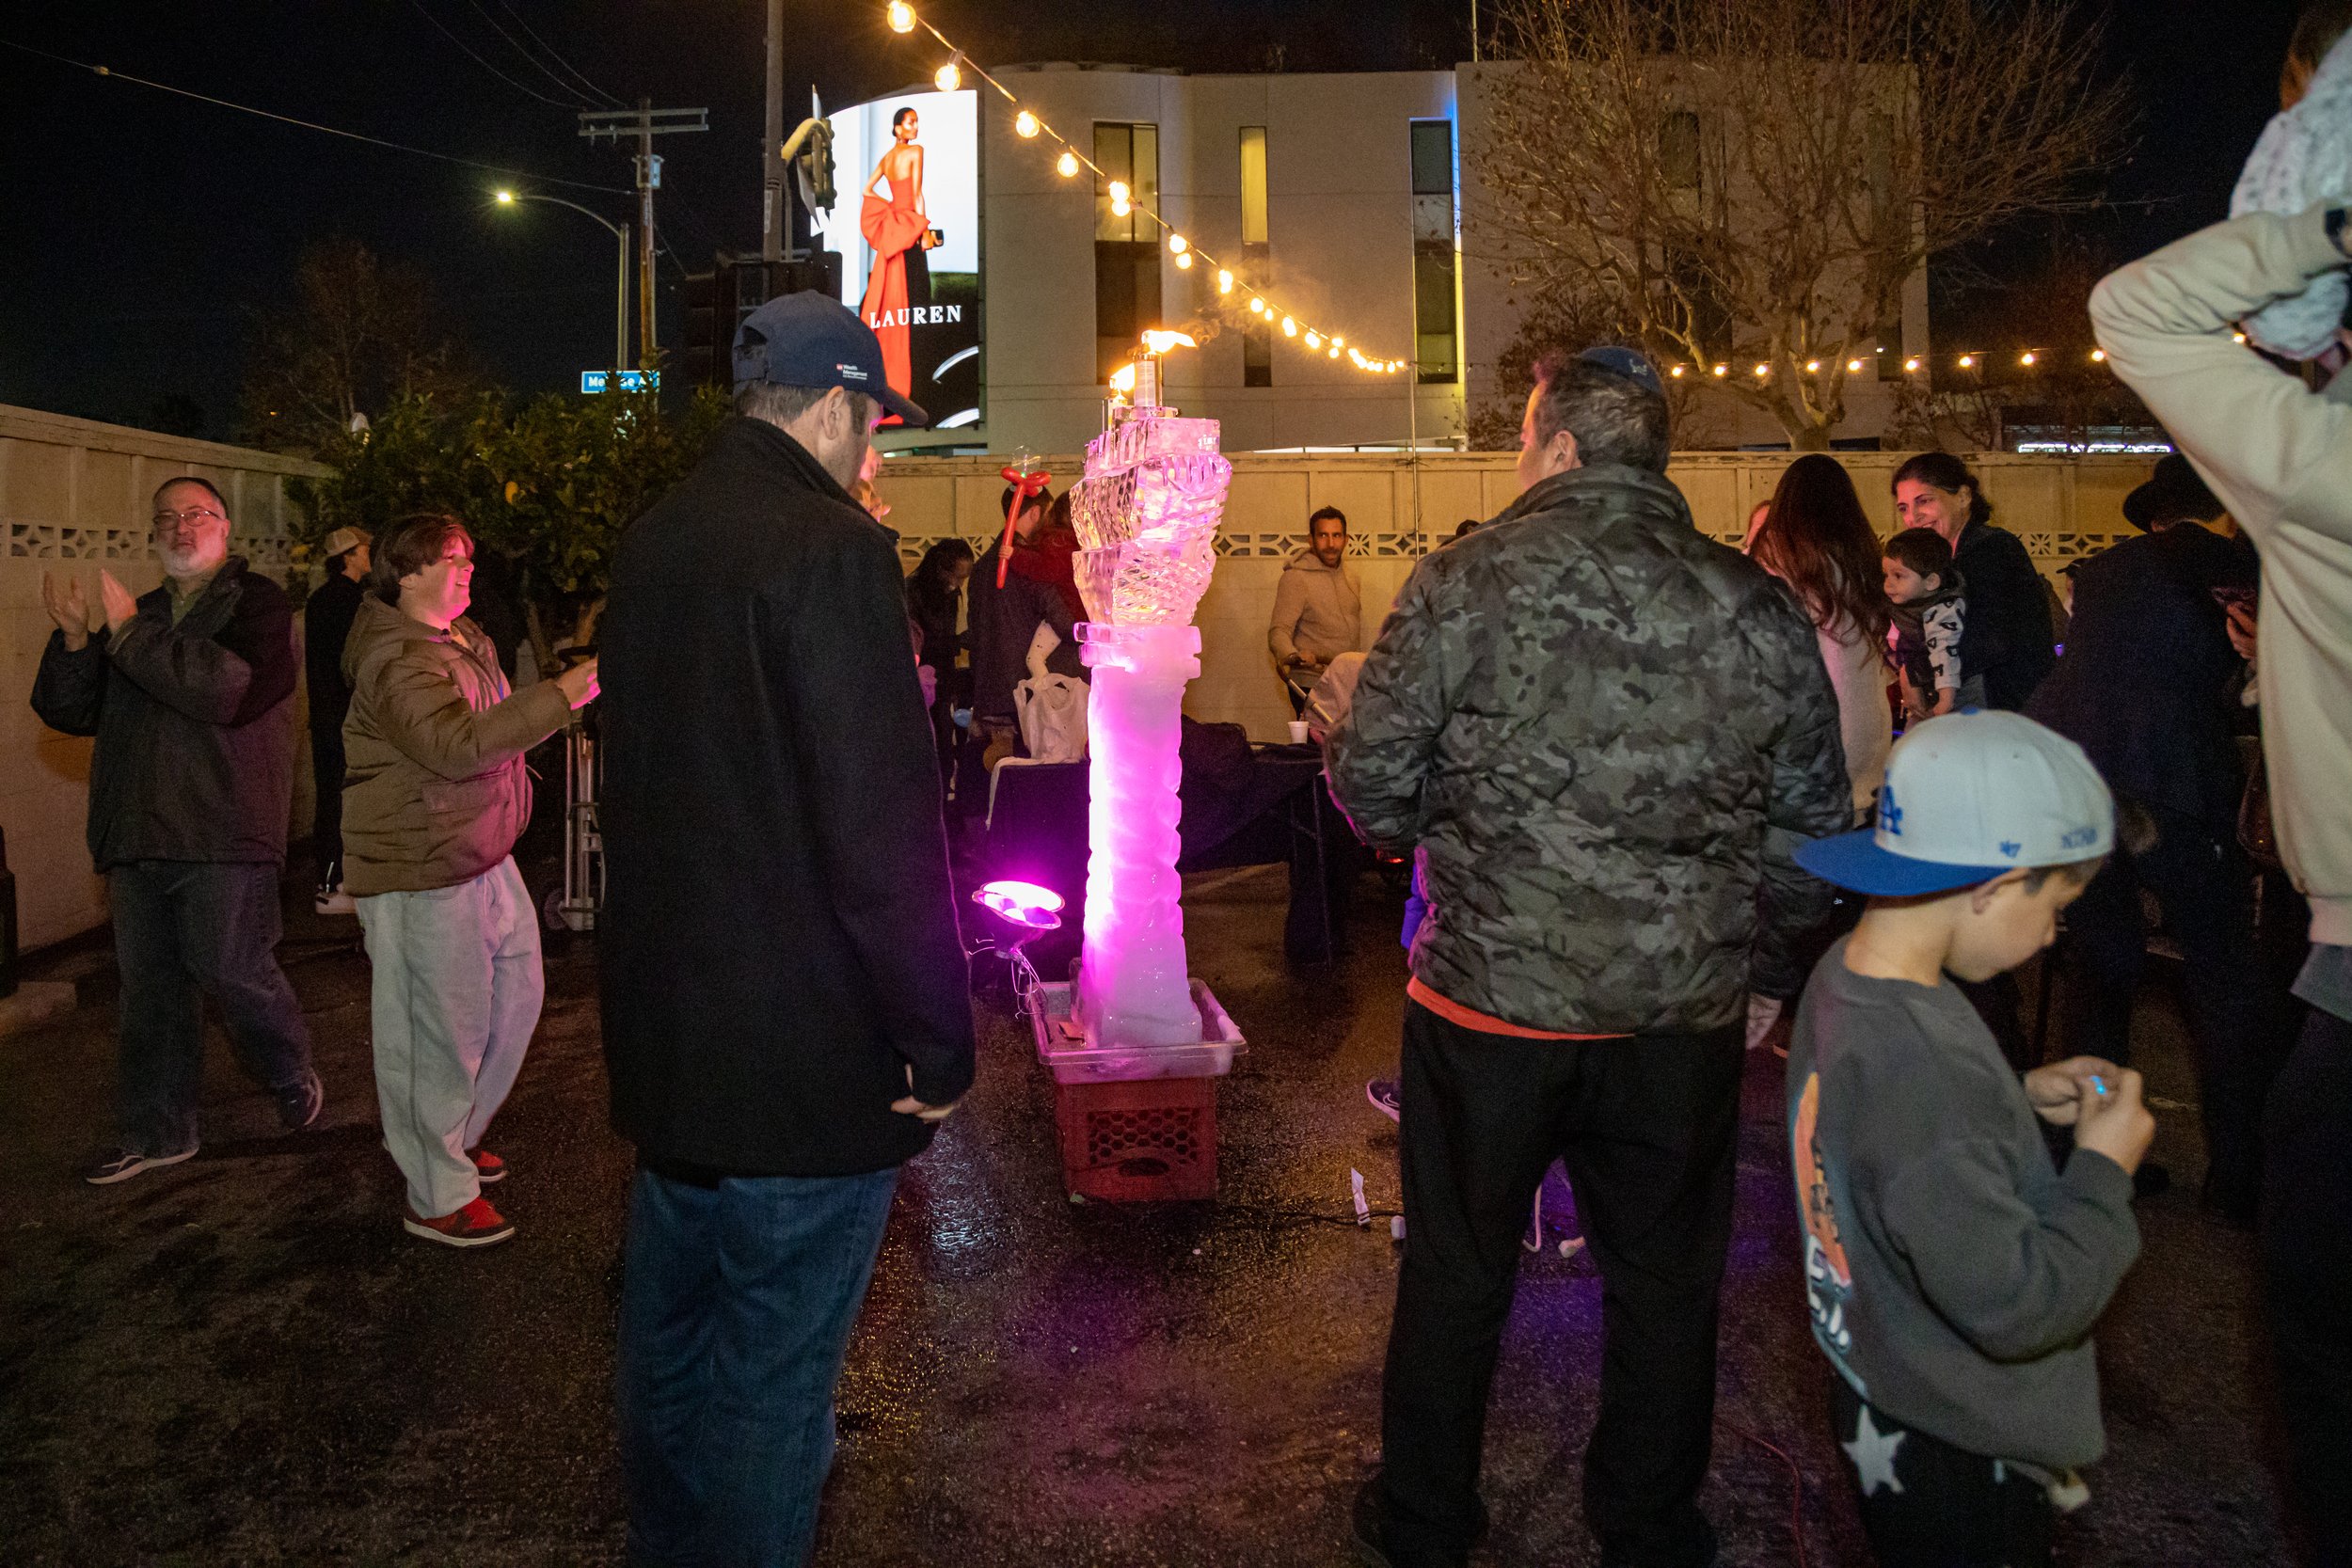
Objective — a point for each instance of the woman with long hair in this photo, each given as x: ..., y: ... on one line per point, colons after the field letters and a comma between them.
x: 1814, y: 537
x: 936, y: 600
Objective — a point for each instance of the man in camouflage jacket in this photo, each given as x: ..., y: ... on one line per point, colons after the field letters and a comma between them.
x: 1606, y: 733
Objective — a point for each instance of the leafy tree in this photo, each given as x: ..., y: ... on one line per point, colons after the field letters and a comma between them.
x: 546, y: 487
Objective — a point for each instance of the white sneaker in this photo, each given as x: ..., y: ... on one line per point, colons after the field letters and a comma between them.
x: 334, y: 900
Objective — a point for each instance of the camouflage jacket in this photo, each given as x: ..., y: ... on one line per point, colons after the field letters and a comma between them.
x: 1607, y: 733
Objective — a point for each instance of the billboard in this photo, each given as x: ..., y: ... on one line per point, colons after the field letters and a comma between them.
x: 907, y: 223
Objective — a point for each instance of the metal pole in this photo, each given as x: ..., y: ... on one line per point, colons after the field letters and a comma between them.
x: 644, y: 236
x: 772, y: 212
x: 620, y: 310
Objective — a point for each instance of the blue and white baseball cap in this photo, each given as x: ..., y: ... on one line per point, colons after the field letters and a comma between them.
x: 1969, y: 797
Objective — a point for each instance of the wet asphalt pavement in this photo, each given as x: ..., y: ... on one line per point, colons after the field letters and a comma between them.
x: 243, y: 1360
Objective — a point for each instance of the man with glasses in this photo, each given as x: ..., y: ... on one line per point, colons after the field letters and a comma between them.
x: 189, y: 690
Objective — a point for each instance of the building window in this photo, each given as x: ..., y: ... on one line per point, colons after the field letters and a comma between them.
x: 1126, y: 244
x: 1257, y: 342
x: 1678, y: 150
x: 1436, y: 340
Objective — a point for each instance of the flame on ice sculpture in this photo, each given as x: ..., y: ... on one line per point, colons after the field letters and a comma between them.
x: 1146, y: 513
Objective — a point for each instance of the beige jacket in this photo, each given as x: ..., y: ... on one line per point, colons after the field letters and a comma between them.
x: 1318, y: 613
x: 2281, y: 458
x: 436, y: 791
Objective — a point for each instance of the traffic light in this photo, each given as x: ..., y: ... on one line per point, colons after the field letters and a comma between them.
x: 717, y: 300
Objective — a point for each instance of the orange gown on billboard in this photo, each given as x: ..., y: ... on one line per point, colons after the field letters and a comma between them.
x: 892, y: 228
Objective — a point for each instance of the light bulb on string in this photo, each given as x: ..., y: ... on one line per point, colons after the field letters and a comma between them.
x: 1853, y: 367
x: 1178, y: 245
x: 2098, y: 357
x: 1025, y: 125
x: 1813, y: 367
x: 1335, y: 352
x: 1910, y: 366
x: 1722, y: 371
x: 1675, y: 372
x: 1183, y: 260
x: 2027, y: 358
x: 1967, y: 362
x: 1290, y: 327
x: 1224, y: 282
x: 1763, y: 370
x: 1067, y: 166
x: 901, y: 17
x: 949, y: 77
x: 1314, y: 338
x: 1257, y: 307
x: 1338, y: 341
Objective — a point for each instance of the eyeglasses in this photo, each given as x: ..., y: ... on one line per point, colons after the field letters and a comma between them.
x: 167, y: 522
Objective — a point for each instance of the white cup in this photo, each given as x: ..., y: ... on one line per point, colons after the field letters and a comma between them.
x: 1298, y: 732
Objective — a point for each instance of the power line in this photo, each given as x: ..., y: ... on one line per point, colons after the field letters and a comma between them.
x: 556, y: 58
x: 529, y: 58
x: 575, y: 102
x: 114, y: 75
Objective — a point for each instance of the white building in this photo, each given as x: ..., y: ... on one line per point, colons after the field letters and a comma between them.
x: 1340, y: 196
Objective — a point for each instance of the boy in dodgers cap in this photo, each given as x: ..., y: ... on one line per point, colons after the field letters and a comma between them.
x: 1953, y: 1270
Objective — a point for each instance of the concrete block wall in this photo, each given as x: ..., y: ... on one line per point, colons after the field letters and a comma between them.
x: 1398, y: 510
x: 75, y: 497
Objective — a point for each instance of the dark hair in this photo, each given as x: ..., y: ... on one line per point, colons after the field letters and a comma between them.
x: 411, y: 544
x: 1322, y: 511
x: 1468, y: 525
x: 1816, y: 538
x: 1042, y: 501
x: 926, y: 585
x: 901, y: 116
x: 777, y: 405
x: 1924, y: 550
x: 200, y: 481
x: 2317, y: 27
x: 1947, y: 473
x: 1613, y: 418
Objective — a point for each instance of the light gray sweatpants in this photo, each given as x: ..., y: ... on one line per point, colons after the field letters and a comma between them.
x: 458, y: 994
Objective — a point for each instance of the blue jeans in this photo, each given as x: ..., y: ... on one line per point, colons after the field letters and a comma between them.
x: 183, y: 928
x: 736, y: 1311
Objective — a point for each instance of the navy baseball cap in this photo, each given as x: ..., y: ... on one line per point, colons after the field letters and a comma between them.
x: 1968, y: 797
x: 806, y: 339
x: 1627, y: 362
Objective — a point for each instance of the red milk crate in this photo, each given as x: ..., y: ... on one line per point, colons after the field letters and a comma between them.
x: 1140, y: 1140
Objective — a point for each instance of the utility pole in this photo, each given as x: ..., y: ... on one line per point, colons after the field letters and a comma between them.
x: 774, y: 214
x: 643, y: 122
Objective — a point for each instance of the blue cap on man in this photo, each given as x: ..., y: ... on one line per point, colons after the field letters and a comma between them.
x: 806, y: 339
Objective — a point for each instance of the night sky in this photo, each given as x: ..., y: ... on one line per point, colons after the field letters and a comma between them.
x: 141, y: 230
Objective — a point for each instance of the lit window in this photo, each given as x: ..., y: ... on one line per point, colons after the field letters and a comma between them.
x: 1437, y: 339
x: 1256, y: 337
x: 1127, y: 248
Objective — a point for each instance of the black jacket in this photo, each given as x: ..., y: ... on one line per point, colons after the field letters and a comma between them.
x: 1607, y: 734
x: 1004, y: 623
x: 2006, y: 636
x: 326, y: 617
x: 779, y: 943
x: 195, y: 754
x: 2149, y: 685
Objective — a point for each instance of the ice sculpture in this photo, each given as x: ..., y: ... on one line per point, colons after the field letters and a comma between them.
x: 1146, y: 513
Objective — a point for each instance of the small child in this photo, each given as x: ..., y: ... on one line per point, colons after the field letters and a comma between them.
x: 1952, y: 1271
x: 1925, y: 590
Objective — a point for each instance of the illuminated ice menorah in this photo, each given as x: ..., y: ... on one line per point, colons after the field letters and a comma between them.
x: 1146, y: 513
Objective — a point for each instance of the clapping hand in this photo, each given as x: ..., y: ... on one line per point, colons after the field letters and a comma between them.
x: 121, y: 609
x: 69, y: 607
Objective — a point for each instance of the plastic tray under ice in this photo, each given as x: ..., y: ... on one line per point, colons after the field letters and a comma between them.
x: 1075, y: 1061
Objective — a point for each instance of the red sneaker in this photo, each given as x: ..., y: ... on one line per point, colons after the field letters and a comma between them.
x: 476, y: 1225
x: 486, y: 1166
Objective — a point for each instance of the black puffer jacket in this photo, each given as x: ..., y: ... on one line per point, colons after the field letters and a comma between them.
x: 195, y: 724
x: 1607, y: 733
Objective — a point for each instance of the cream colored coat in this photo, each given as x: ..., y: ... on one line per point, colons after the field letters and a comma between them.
x: 2281, y: 458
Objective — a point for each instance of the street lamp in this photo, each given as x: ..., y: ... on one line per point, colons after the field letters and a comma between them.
x: 620, y: 231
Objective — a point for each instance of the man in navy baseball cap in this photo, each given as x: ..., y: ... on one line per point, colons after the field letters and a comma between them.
x: 806, y: 339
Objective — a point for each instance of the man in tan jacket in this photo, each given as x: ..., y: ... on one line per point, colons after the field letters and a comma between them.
x: 1318, y: 606
x: 2280, y: 457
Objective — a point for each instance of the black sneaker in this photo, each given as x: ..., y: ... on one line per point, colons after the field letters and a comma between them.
x: 1372, y: 1542
x: 299, y: 1102
x: 1386, y: 1098
x: 120, y: 1165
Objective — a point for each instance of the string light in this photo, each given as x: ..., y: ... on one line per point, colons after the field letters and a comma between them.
x: 1910, y: 366
x: 1675, y: 372
x: 1967, y: 362
x: 1763, y: 370
x: 1853, y: 367
x: 902, y: 18
x: 1813, y: 367
x: 1722, y: 370
x: 2237, y: 337
x: 2027, y: 358
x: 2098, y: 357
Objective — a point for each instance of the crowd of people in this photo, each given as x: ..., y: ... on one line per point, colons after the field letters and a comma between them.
x: 1653, y: 792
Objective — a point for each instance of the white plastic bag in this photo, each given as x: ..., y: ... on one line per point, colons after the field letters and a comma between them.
x: 1052, y: 712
